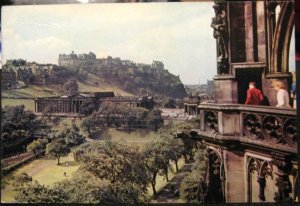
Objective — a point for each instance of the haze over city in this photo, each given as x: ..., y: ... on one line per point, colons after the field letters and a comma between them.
x: 178, y: 34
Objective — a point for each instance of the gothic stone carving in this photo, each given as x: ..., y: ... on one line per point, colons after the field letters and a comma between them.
x: 290, y: 131
x: 272, y: 128
x: 275, y: 129
x: 252, y: 126
x: 282, y: 181
x: 221, y: 35
x: 211, y: 121
x: 263, y: 169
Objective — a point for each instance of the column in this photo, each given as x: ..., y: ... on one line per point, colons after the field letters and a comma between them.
x: 283, y: 183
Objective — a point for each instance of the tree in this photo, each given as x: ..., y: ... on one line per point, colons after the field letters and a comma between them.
x: 68, y: 135
x: 83, y: 187
x: 171, y: 103
x: 116, y: 162
x: 21, y: 179
x: 87, y: 108
x: 155, y: 118
x: 90, y: 123
x: 18, y: 127
x: 37, y: 146
x: 71, y: 87
x: 155, y: 161
x: 175, y: 150
x: 193, y: 186
x: 57, y: 149
x: 72, y: 135
x: 33, y: 192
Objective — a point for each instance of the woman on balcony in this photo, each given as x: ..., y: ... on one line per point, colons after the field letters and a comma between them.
x: 283, y: 98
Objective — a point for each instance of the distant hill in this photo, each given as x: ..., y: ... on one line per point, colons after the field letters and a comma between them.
x: 136, y: 78
x: 107, y: 74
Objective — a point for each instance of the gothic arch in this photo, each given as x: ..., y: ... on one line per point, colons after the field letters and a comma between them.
x: 215, y: 176
x: 282, y: 37
x: 257, y: 172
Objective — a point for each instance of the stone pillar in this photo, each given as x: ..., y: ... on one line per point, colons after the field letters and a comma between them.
x: 262, y: 185
x: 235, y: 177
x: 284, y: 186
x: 225, y: 89
x: 249, y: 37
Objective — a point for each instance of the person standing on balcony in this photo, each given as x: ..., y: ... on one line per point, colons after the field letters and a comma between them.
x: 254, y: 95
x: 283, y: 98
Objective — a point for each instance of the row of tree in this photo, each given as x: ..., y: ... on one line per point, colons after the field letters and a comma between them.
x: 113, y: 115
x: 109, y: 172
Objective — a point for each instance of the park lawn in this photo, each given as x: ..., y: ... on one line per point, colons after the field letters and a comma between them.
x: 31, y: 91
x: 161, y: 181
x: 45, y: 171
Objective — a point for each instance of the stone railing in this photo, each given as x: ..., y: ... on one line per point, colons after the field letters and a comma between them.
x: 259, y: 125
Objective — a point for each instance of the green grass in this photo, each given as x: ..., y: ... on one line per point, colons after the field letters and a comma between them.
x: 31, y: 91
x: 45, y: 171
x: 92, y: 84
x: 28, y: 103
x: 97, y: 84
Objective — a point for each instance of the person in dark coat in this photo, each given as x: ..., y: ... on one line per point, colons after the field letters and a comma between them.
x: 254, y: 95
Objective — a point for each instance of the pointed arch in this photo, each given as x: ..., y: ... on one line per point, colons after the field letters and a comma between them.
x: 282, y: 38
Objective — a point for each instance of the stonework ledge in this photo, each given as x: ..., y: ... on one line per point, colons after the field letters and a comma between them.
x: 224, y: 77
x: 248, y: 108
x: 215, y: 137
x: 278, y: 75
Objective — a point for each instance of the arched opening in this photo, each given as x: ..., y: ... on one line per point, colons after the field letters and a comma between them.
x: 282, y: 37
x: 215, y: 177
x: 277, y: 12
x: 292, y: 53
x: 253, y: 186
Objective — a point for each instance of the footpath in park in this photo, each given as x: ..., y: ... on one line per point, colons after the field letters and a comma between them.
x: 170, y: 193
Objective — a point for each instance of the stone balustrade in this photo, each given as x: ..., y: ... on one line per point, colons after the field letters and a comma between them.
x: 260, y: 126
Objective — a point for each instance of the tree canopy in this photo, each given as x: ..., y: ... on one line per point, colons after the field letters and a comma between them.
x: 18, y: 127
x: 71, y: 87
x: 57, y: 149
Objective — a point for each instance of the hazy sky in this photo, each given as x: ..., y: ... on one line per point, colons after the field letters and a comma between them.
x: 178, y: 34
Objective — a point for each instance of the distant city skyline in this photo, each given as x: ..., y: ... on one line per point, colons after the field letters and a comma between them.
x: 178, y: 34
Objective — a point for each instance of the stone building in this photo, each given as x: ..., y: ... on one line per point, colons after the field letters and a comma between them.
x: 131, y: 101
x: 69, y: 60
x: 68, y: 104
x: 251, y: 150
x: 8, y: 78
x: 191, y: 103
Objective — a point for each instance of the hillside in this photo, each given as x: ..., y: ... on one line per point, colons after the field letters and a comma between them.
x: 138, y: 79
x: 123, y: 77
x: 87, y: 85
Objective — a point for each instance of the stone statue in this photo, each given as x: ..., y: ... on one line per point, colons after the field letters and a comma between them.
x: 220, y: 34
